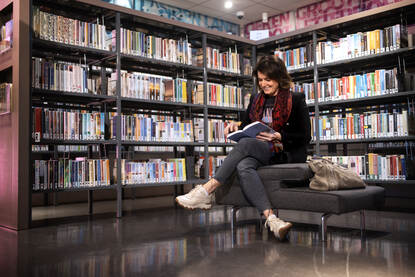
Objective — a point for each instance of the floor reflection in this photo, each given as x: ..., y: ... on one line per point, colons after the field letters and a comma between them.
x: 182, y: 243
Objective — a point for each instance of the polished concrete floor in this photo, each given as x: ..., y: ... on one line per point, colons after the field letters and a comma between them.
x: 177, y: 242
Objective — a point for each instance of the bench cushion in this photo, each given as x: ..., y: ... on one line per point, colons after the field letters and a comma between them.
x: 287, y: 187
x: 338, y: 201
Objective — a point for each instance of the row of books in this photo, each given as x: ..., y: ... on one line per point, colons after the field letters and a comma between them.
x: 297, y: 58
x: 66, y: 30
x: 216, y: 128
x: 215, y: 59
x: 142, y: 148
x: 67, y: 173
x: 6, y: 90
x: 141, y: 127
x: 214, y: 162
x: 164, y: 149
x: 379, y: 82
x: 61, y: 29
x: 149, y: 46
x: 214, y: 149
x: 151, y: 87
x: 77, y: 78
x: 385, y: 145
x: 351, y: 46
x: 373, y: 124
x: 219, y: 95
x: 360, y: 44
x: 374, y: 166
x: 62, y: 124
x: 152, y: 171
x: 170, y: 149
x: 6, y: 36
x: 65, y: 76
x: 65, y: 148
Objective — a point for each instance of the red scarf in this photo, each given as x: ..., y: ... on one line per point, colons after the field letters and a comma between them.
x: 280, y: 113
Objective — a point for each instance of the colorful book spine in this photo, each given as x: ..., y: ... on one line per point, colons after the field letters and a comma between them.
x: 152, y: 171
x: 65, y: 30
x: 58, y: 124
x: 70, y: 174
x: 372, y: 124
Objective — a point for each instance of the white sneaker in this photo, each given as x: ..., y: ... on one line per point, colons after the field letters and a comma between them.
x: 196, y: 199
x: 279, y: 227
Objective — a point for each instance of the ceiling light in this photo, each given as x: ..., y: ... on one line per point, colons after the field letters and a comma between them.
x: 228, y: 4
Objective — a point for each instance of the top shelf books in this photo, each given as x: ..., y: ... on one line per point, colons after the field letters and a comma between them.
x: 61, y: 29
x: 352, y: 46
x: 96, y: 35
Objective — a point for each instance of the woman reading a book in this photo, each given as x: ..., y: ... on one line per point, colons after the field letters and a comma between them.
x: 287, y: 115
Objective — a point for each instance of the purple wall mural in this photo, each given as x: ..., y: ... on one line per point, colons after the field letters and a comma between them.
x: 314, y: 14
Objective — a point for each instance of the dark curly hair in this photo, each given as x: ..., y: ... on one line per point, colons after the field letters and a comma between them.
x: 274, y: 68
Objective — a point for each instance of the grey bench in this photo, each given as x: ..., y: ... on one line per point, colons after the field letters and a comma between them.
x: 287, y: 188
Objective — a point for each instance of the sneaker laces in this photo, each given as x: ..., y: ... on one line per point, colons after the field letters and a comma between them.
x: 194, y: 190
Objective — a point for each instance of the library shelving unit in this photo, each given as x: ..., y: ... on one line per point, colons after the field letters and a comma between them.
x: 104, y: 72
x: 15, y: 128
x: 338, y: 61
x: 83, y: 86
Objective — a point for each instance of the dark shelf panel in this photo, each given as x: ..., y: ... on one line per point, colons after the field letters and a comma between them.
x: 301, y: 70
x: 220, y: 144
x: 160, y: 143
x: 354, y: 64
x: 159, y: 63
x: 391, y: 182
x: 158, y: 105
x: 76, y: 189
x: 380, y: 58
x: 70, y: 142
x: 223, y: 110
x: 60, y: 153
x: 369, y: 101
x: 158, y: 184
x: 68, y: 51
x: 228, y: 74
x: 367, y: 140
x: 60, y: 96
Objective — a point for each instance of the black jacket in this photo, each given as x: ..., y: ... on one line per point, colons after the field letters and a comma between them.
x: 296, y: 133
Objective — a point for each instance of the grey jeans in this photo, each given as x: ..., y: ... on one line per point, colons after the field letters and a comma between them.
x: 245, y: 158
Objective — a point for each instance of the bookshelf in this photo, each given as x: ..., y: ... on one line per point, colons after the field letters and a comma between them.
x: 302, y: 48
x: 15, y: 138
x: 102, y: 91
x: 77, y: 77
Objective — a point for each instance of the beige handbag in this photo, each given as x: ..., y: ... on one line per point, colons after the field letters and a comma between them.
x: 331, y: 176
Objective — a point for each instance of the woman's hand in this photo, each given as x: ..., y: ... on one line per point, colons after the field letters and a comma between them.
x: 266, y: 136
x: 232, y: 127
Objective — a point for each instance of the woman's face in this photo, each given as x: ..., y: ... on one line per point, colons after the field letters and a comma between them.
x: 268, y: 86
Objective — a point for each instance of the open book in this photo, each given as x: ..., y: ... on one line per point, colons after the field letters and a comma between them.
x: 250, y: 130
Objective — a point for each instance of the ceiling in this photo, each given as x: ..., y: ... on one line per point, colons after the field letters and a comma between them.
x: 253, y: 9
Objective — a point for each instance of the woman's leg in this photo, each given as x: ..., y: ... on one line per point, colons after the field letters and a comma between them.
x: 201, y: 196
x: 251, y: 184
x: 247, y: 147
x: 254, y: 191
